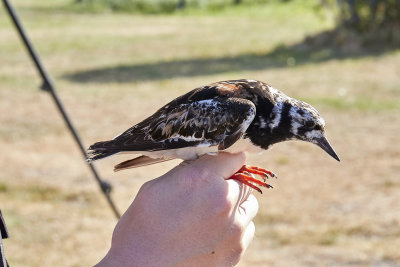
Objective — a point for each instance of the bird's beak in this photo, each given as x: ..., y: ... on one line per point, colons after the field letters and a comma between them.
x: 324, y: 144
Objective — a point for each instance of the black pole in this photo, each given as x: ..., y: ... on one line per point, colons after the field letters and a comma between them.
x: 48, y: 86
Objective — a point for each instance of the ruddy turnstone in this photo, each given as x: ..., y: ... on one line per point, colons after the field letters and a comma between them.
x: 230, y: 116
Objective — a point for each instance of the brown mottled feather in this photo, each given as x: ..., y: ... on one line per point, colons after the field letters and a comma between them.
x: 211, y: 115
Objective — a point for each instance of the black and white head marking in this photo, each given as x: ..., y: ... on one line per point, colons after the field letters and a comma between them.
x: 304, y: 120
x: 276, y: 115
x: 306, y: 123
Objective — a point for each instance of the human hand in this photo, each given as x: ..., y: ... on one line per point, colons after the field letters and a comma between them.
x: 191, y: 216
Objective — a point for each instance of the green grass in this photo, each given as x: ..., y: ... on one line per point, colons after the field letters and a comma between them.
x: 3, y: 187
x: 211, y: 44
x: 266, y: 8
x: 330, y: 237
x: 360, y: 103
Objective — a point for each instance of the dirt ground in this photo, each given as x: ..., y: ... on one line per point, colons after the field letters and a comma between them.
x: 320, y: 212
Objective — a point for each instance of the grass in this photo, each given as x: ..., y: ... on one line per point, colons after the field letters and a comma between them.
x: 112, y: 70
x: 43, y: 193
x: 364, y: 104
x: 3, y: 187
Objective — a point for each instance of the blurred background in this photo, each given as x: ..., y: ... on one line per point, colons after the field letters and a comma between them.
x: 114, y: 62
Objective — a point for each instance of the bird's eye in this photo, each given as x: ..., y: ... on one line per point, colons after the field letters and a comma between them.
x: 310, y: 124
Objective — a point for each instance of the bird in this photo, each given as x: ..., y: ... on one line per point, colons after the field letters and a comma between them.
x: 230, y: 116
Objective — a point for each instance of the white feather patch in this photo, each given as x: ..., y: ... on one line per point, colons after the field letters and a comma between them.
x: 277, y: 112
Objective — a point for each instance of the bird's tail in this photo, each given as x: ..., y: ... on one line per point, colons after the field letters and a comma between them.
x: 138, y: 162
x: 100, y: 150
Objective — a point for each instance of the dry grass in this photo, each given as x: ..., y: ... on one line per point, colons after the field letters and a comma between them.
x: 320, y: 213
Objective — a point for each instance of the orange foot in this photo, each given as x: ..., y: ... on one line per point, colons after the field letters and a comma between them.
x: 244, y: 175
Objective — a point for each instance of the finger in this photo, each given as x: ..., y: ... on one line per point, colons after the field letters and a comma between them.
x: 248, y: 209
x: 223, y: 164
x: 246, y: 191
x: 248, y: 235
x: 234, y: 193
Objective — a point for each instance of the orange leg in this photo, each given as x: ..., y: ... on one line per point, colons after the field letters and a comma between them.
x: 243, y: 179
x: 258, y: 171
x: 244, y: 176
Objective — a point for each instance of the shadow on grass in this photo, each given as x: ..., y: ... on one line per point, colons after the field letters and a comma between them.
x: 311, y: 50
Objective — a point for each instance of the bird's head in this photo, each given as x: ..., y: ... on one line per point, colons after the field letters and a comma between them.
x: 280, y: 118
x: 307, y: 124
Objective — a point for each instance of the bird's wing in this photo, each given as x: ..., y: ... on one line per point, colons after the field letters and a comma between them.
x: 212, y: 122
